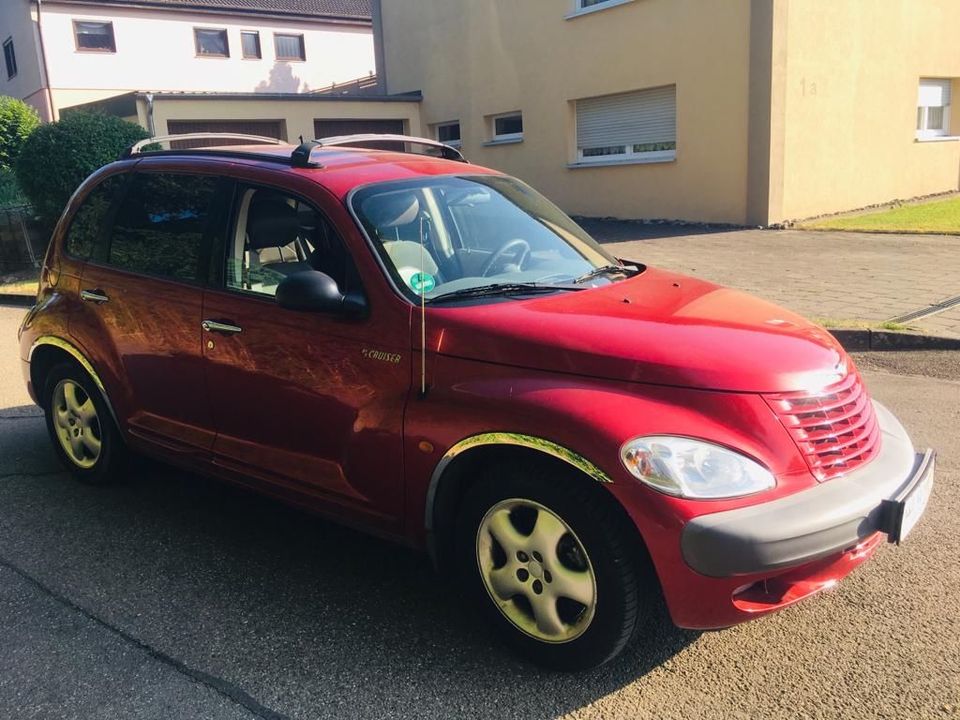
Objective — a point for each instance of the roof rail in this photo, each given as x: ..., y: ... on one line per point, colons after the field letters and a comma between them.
x: 447, y: 151
x: 137, y: 148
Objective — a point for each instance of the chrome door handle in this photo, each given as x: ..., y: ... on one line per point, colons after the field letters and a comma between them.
x: 95, y: 296
x: 214, y: 326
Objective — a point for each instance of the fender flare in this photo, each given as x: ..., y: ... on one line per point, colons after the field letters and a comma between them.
x: 81, y: 359
x: 547, y: 447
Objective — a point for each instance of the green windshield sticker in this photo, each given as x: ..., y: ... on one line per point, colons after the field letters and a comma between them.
x: 422, y: 282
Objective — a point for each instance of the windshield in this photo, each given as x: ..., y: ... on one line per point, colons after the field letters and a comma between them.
x: 439, y: 235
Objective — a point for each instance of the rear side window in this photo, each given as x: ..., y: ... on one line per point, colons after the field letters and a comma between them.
x: 161, y: 225
x: 89, y: 220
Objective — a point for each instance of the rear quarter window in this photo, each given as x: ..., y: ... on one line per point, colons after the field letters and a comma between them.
x: 161, y: 225
x: 88, y: 222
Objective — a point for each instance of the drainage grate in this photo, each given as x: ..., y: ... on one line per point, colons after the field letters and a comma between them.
x: 927, y: 311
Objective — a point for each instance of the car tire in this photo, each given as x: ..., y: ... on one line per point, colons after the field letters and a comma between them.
x: 81, y: 427
x: 528, y: 540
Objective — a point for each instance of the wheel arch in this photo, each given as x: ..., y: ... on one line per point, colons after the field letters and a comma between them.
x: 47, y: 352
x: 458, y: 467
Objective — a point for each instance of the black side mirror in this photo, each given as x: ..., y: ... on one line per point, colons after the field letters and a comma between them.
x: 314, y: 291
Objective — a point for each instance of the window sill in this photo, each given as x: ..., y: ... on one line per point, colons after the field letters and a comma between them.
x: 631, y: 161
x: 504, y: 141
x: 595, y: 8
x: 938, y: 138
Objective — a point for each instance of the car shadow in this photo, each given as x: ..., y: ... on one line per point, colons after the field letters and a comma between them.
x: 607, y: 230
x: 310, y: 618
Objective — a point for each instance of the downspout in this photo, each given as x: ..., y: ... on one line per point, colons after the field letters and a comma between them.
x: 54, y: 115
x: 150, y: 126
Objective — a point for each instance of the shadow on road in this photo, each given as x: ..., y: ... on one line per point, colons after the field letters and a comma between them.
x: 309, y: 618
x: 613, y: 231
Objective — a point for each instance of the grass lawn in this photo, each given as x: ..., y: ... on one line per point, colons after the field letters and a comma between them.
x: 938, y: 216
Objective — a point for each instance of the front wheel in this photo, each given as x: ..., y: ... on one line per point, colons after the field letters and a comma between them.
x: 552, y: 565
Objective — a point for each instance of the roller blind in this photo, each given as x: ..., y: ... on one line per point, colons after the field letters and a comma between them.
x: 634, y: 118
x: 934, y: 93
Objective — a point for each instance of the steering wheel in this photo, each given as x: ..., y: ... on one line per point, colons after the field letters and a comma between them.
x: 518, y: 249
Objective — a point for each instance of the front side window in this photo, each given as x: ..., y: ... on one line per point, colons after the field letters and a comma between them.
x: 94, y: 36
x: 508, y: 127
x: 161, y: 225
x: 250, y: 40
x: 88, y: 222
x: 640, y: 126
x: 289, y: 47
x: 211, y: 43
x: 10, y: 58
x: 933, y: 108
x: 451, y: 233
x: 276, y: 235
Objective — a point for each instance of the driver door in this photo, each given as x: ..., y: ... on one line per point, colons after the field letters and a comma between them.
x: 296, y: 401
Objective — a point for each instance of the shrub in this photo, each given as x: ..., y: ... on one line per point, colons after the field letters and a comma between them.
x: 58, y: 156
x: 17, y: 121
x: 10, y: 194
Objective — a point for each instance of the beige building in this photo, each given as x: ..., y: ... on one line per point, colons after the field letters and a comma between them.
x: 741, y: 111
x: 63, y: 53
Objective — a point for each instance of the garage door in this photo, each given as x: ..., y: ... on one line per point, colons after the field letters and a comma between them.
x: 332, y: 128
x: 264, y: 128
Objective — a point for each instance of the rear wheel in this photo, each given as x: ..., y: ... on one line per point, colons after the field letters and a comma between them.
x: 81, y: 428
x: 551, y: 564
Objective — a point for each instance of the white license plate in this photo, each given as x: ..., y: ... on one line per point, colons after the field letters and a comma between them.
x: 915, y: 503
x: 904, y: 512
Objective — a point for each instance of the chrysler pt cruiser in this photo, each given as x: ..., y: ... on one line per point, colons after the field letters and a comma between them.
x: 433, y: 352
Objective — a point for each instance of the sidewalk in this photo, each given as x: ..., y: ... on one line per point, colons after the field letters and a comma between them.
x: 836, y: 275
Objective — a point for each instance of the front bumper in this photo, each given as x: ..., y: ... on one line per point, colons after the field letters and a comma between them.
x: 817, y: 523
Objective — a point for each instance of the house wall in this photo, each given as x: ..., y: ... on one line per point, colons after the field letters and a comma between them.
x: 297, y: 114
x: 156, y: 51
x: 17, y: 21
x: 852, y: 71
x: 476, y: 59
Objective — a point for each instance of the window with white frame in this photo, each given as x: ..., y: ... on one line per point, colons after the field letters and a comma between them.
x: 584, y: 4
x: 507, y: 127
x: 449, y: 133
x: 933, y: 108
x: 636, y: 126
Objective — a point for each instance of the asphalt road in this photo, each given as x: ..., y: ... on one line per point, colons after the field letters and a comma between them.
x: 173, y: 596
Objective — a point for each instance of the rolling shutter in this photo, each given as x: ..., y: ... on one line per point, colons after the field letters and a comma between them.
x: 934, y: 93
x: 634, y: 118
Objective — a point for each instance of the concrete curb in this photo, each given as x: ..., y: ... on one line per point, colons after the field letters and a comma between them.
x: 18, y: 300
x: 867, y: 339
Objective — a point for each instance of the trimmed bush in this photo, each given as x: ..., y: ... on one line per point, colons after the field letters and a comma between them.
x: 17, y: 121
x: 10, y: 193
x: 59, y: 156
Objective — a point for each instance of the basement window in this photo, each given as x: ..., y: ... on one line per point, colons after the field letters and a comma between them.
x: 449, y: 133
x: 639, y: 126
x: 933, y: 108
x: 507, y: 128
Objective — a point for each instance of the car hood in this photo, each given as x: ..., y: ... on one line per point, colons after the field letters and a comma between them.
x: 658, y: 327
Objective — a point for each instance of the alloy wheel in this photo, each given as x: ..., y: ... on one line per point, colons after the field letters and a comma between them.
x: 77, y: 424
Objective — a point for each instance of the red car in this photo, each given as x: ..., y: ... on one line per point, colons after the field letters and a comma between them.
x: 431, y: 351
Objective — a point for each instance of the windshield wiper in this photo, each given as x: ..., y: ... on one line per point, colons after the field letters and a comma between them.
x: 499, y: 289
x: 605, y: 270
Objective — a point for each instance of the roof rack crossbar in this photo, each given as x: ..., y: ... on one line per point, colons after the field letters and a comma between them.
x: 447, y: 151
x: 137, y: 148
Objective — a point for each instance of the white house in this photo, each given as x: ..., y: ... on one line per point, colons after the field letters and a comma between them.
x: 63, y: 53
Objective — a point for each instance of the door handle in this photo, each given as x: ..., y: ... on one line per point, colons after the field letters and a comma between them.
x: 95, y: 296
x: 219, y: 327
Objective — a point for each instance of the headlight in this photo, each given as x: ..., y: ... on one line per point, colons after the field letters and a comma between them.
x: 693, y: 468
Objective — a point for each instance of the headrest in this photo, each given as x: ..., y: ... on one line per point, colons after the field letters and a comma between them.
x: 271, y: 222
x: 393, y: 210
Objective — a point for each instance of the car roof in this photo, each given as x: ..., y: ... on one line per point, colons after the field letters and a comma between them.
x: 338, y: 169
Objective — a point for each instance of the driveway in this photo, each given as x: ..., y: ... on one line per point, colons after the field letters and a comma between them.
x: 173, y: 596
x: 827, y: 275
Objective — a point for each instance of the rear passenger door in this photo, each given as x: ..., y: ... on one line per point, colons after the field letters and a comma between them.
x: 142, y: 294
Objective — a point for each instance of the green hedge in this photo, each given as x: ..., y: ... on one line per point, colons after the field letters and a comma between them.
x: 58, y: 156
x: 17, y: 122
